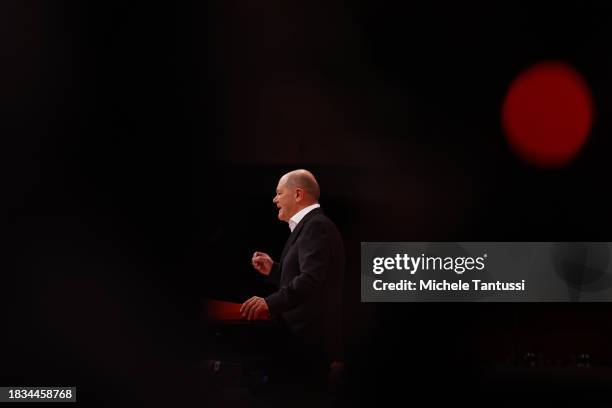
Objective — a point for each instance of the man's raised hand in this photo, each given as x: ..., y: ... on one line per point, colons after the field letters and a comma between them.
x: 262, y: 263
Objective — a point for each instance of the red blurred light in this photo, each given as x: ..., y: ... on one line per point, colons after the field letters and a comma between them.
x: 547, y: 114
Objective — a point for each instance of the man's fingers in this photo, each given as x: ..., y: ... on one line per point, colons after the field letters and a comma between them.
x: 252, y: 308
x: 253, y: 311
x: 261, y: 261
x: 260, y: 255
x: 246, y: 305
x: 247, y: 310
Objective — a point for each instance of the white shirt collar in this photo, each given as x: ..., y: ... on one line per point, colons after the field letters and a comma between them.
x: 297, y: 217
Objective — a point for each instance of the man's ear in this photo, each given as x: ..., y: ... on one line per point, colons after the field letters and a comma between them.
x: 299, y: 194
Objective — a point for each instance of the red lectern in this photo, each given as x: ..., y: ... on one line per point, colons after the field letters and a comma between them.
x: 222, y: 311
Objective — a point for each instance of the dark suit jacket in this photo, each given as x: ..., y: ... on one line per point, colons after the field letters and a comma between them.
x: 310, y: 277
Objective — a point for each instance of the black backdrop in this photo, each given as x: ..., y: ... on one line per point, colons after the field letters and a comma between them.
x: 141, y: 145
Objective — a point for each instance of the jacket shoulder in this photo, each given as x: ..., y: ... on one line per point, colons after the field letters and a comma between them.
x: 319, y: 219
x: 320, y: 222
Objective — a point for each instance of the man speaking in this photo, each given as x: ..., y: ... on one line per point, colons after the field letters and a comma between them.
x: 309, y: 275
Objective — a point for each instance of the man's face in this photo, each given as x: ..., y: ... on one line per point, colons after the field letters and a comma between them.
x: 285, y: 200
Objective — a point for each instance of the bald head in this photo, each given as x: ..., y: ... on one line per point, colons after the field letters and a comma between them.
x: 306, y: 181
x: 296, y: 190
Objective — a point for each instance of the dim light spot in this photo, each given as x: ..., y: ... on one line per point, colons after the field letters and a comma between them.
x: 547, y: 114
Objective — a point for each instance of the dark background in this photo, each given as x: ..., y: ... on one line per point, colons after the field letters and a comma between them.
x: 141, y: 146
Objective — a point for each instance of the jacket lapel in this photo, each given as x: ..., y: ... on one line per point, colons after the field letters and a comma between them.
x: 297, y: 230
